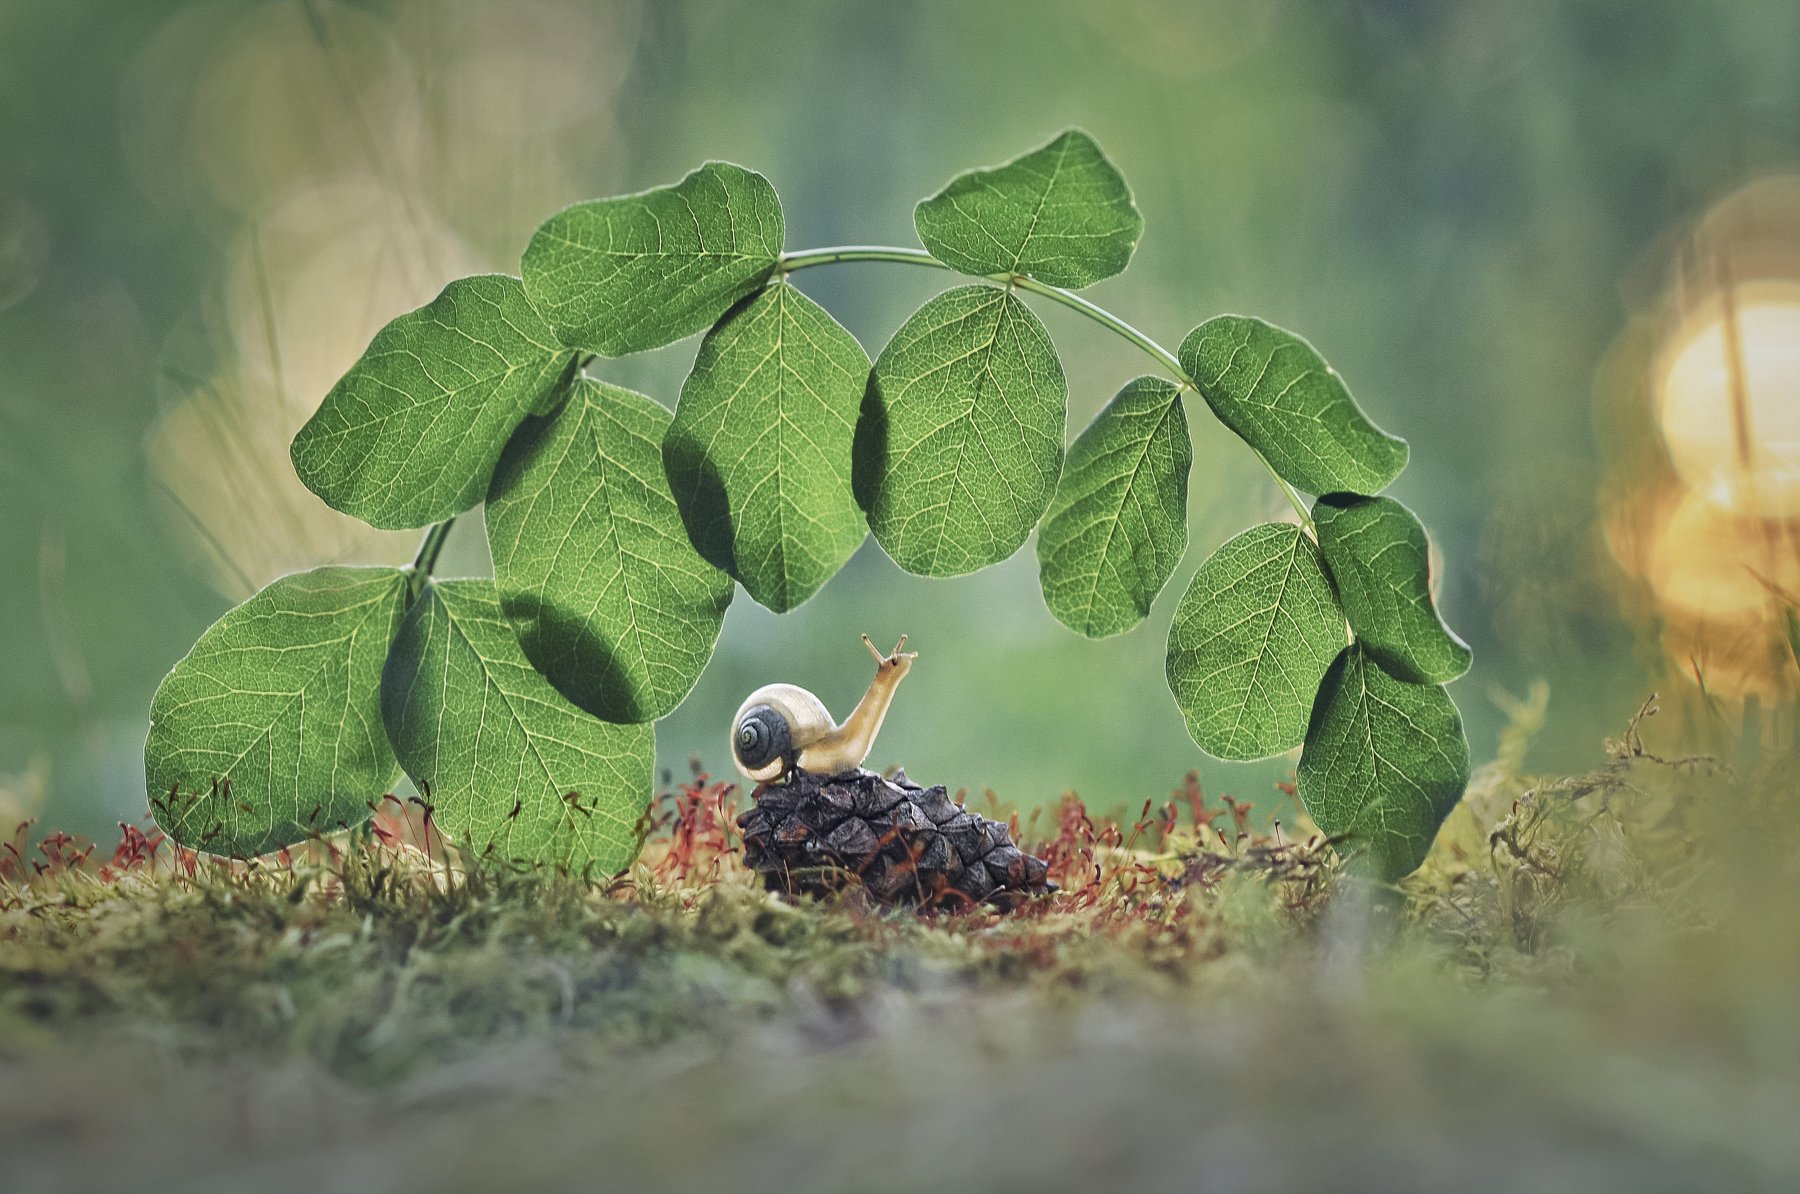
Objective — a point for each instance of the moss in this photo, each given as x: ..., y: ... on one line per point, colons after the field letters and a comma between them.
x: 1636, y: 916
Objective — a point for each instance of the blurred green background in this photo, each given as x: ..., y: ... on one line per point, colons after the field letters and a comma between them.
x: 207, y: 208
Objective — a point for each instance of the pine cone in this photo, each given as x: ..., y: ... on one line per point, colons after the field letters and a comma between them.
x: 904, y: 844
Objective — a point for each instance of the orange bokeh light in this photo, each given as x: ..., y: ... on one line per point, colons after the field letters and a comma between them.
x: 1728, y: 399
x: 1711, y: 524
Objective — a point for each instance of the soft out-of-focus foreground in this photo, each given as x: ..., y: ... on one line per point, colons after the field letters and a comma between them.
x: 1555, y: 244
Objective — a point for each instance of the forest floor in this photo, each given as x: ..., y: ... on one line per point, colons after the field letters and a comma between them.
x: 1592, y: 984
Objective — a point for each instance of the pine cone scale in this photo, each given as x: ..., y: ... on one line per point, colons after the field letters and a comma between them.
x: 902, y: 843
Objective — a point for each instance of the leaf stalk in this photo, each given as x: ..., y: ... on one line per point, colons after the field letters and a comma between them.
x: 430, y: 548
x: 1170, y: 363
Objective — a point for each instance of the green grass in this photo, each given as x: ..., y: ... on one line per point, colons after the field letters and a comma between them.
x: 1591, y: 982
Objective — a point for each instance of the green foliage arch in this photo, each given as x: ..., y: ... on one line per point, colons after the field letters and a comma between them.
x: 523, y: 704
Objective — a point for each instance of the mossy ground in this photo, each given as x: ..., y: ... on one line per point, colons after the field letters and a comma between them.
x: 1592, y: 984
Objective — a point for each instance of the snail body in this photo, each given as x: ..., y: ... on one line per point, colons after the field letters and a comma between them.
x: 782, y: 728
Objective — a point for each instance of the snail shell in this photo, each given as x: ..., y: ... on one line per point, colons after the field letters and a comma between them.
x: 782, y: 728
x: 772, y: 726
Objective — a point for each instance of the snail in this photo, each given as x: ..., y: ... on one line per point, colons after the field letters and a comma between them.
x: 782, y: 728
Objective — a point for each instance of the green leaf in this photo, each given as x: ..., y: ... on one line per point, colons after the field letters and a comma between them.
x: 1279, y: 395
x: 269, y: 730
x: 1385, y: 762
x: 592, y: 562
x: 617, y: 276
x: 961, y: 437
x: 409, y: 436
x: 1251, y: 639
x: 513, y: 771
x: 1118, y: 525
x: 1061, y: 214
x: 1378, y: 554
x: 759, y: 454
